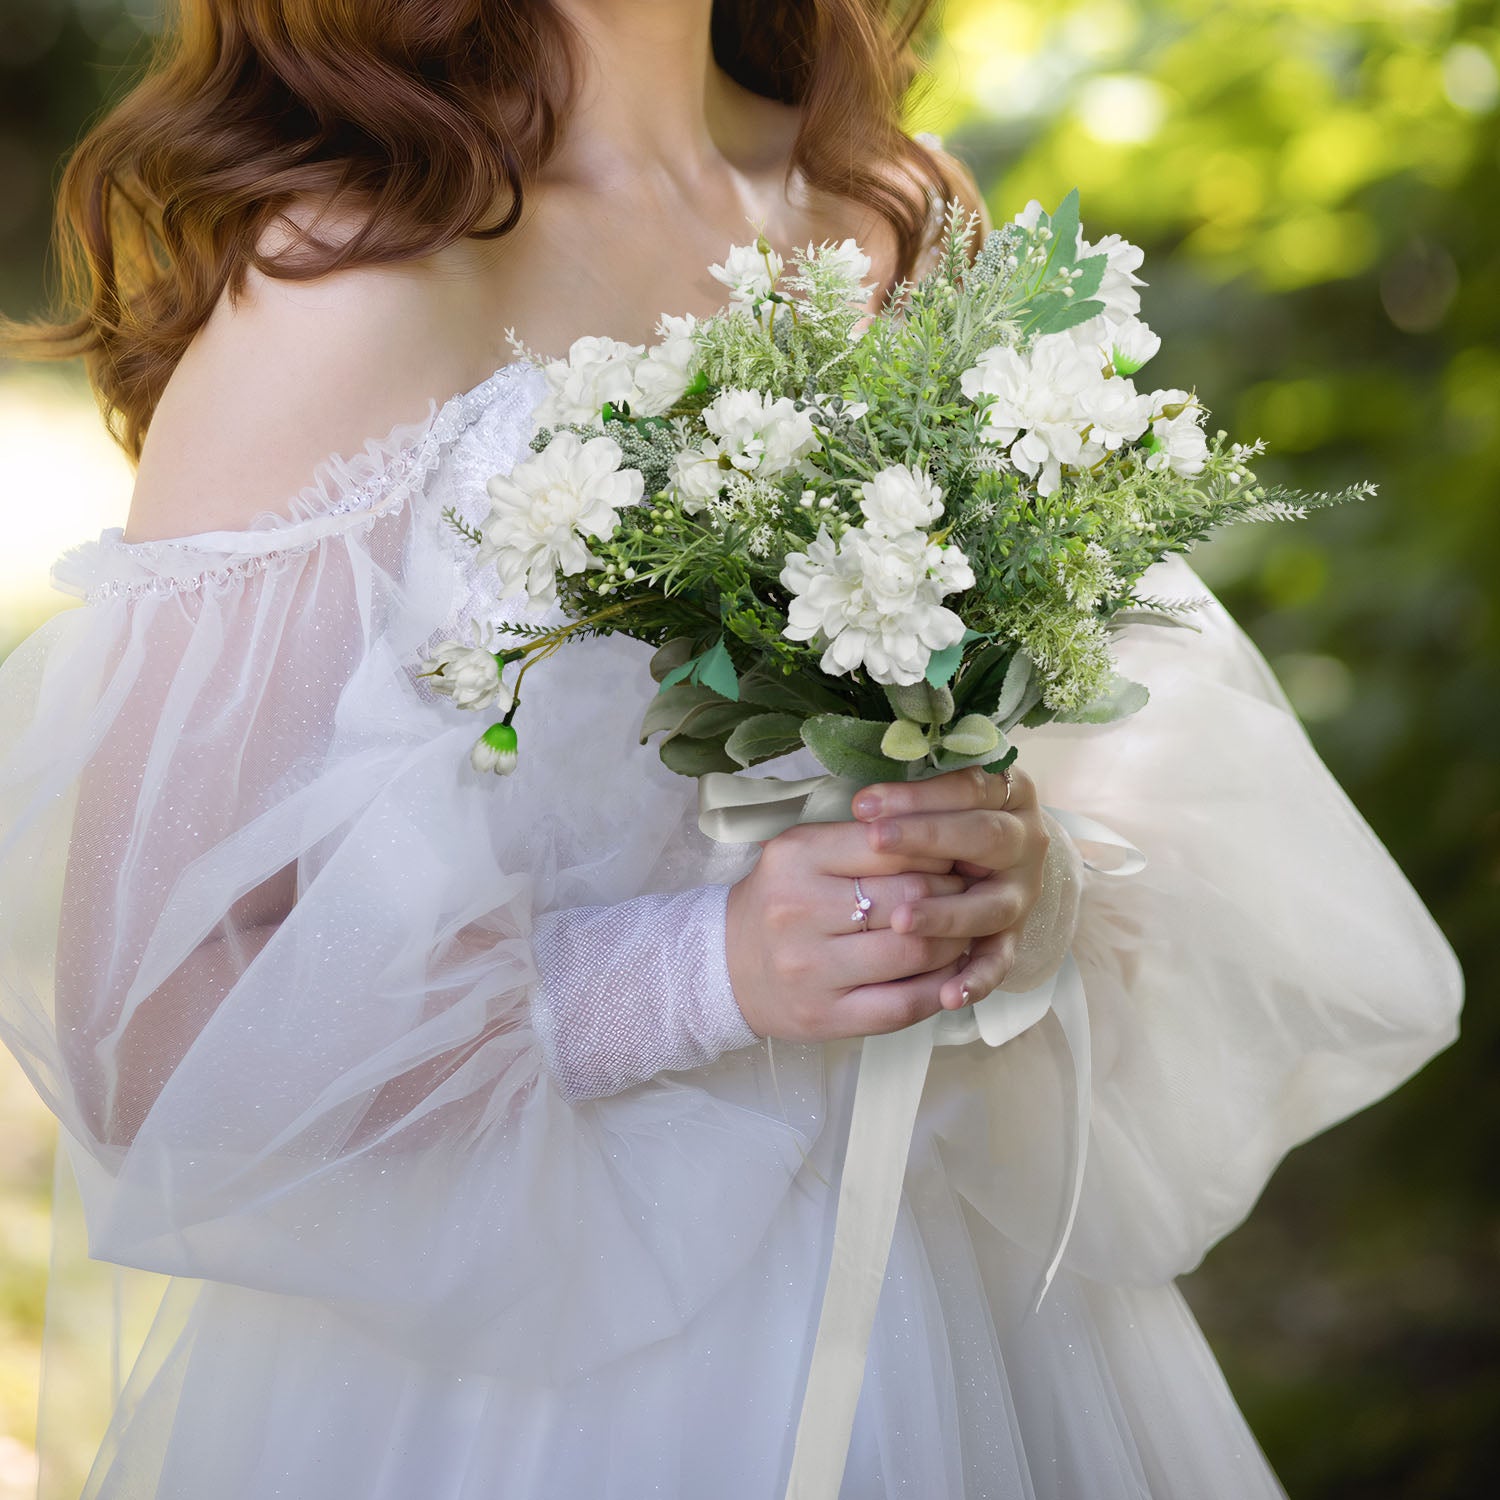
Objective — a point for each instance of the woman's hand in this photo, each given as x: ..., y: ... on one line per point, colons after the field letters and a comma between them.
x: 948, y: 874
x: 999, y: 845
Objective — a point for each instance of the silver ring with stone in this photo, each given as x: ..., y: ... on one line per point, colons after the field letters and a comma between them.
x: 862, y: 905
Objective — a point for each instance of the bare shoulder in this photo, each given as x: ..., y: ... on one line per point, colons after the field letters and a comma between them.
x: 287, y: 374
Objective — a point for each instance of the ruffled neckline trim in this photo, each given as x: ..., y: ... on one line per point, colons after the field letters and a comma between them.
x: 368, y: 483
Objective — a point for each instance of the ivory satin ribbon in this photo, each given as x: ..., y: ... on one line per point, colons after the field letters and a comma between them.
x: 892, y: 1071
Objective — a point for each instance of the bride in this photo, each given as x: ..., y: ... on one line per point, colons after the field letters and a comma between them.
x: 488, y: 1130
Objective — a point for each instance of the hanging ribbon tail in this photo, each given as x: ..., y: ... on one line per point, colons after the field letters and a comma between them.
x: 892, y: 1070
x: 735, y: 809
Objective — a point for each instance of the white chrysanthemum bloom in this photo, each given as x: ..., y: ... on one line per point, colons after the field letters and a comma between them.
x: 1117, y: 413
x: 596, y: 370
x: 900, y: 499
x: 663, y: 375
x: 542, y: 511
x: 874, y: 602
x: 748, y: 272
x: 1182, y: 447
x: 848, y: 262
x: 697, y: 476
x: 759, y: 434
x: 1038, y: 412
x: 469, y: 675
x: 1122, y: 346
x: 1117, y: 291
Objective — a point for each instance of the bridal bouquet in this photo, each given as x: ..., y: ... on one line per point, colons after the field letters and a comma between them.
x: 889, y: 539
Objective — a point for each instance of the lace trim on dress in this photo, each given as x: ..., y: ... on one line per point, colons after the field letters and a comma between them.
x: 345, y: 492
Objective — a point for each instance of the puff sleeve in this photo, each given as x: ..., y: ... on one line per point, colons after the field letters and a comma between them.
x: 1269, y: 973
x: 266, y: 948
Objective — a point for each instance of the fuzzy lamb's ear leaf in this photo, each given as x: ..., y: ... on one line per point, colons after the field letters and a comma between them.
x: 850, y: 747
x: 794, y: 693
x: 973, y: 735
x: 764, y: 737
x: 904, y: 740
x: 921, y: 702
x: 672, y: 705
x: 695, y: 757
x: 670, y: 663
x: 1013, y: 689
x: 1118, y: 701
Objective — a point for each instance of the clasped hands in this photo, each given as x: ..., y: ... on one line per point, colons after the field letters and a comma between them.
x: 952, y: 871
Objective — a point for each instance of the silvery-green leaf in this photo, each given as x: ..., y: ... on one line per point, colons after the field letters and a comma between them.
x: 1124, y: 617
x: 794, y: 693
x: 1121, y: 699
x: 764, y: 737
x: 672, y: 705
x: 672, y: 660
x: 695, y: 757
x: 972, y: 735
x: 850, y: 747
x: 904, y: 740
x: 714, y: 720
x: 921, y: 702
x: 1013, y: 689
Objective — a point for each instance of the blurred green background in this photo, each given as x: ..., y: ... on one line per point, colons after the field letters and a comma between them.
x: 1317, y: 189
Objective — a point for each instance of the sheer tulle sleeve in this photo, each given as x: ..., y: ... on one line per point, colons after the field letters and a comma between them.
x: 1270, y: 972
x: 267, y: 953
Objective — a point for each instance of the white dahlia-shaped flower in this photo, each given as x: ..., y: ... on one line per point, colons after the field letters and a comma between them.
x: 697, y: 475
x: 758, y: 434
x: 544, y: 509
x: 1117, y: 414
x: 874, y: 601
x: 1039, y: 408
x: 663, y: 375
x: 596, y: 370
x: 1123, y: 346
x: 1180, y: 443
x: 748, y: 272
x: 900, y: 499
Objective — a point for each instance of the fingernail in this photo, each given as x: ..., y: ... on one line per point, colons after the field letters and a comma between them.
x: 867, y: 804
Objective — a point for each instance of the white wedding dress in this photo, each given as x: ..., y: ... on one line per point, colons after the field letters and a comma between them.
x: 266, y: 950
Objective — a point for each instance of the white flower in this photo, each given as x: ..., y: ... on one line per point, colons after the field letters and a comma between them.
x: 596, y: 370
x: 748, y: 272
x: 697, y: 475
x: 543, y: 509
x: 495, y: 750
x: 900, y: 499
x: 1039, y: 409
x: 848, y: 263
x: 1182, y: 446
x: 1124, y: 346
x: 873, y: 601
x: 469, y: 675
x: 757, y: 434
x: 1117, y: 291
x: 663, y: 375
x: 1117, y: 413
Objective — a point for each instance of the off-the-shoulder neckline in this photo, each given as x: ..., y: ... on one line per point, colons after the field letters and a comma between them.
x: 445, y: 420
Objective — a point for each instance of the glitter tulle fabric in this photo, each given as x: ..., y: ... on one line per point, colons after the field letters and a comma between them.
x: 267, y: 951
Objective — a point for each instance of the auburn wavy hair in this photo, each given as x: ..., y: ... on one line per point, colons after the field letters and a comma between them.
x: 424, y: 114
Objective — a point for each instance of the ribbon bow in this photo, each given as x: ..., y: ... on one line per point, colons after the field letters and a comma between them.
x: 892, y: 1071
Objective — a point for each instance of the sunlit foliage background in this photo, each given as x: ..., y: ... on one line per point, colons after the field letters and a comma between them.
x: 1317, y: 188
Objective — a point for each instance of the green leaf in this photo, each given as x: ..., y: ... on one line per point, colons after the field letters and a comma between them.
x: 1123, y: 617
x: 1053, y: 313
x: 672, y: 705
x: 973, y: 735
x: 1121, y: 699
x: 667, y: 659
x: 850, y: 747
x: 995, y: 767
x: 941, y: 665
x: 1064, y: 227
x: 714, y: 720
x: 1013, y: 690
x: 904, y: 740
x: 798, y: 694
x: 695, y: 757
x: 978, y: 689
x: 920, y: 701
x: 1093, y: 268
x: 715, y: 669
x: 764, y: 737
